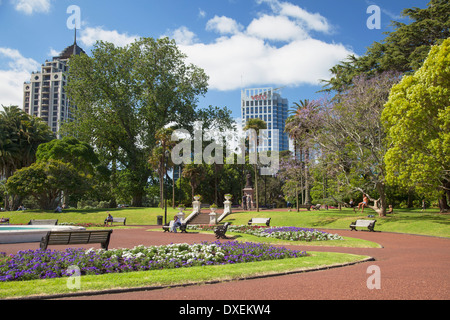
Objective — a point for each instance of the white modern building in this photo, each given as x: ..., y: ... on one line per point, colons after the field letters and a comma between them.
x: 44, y: 95
x: 268, y: 105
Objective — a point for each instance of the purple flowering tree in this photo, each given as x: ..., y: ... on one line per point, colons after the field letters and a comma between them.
x: 353, y: 140
x: 302, y: 127
x: 291, y: 174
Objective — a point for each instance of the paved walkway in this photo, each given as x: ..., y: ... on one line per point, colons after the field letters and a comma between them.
x: 412, y: 267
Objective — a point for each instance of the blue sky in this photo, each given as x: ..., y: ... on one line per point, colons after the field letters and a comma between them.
x: 239, y: 43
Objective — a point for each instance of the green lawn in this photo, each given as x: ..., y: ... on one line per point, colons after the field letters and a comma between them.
x: 429, y: 222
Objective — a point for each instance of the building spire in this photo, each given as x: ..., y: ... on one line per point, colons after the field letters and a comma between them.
x: 75, y: 41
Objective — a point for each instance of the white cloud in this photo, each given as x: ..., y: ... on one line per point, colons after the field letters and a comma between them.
x: 31, y: 6
x: 201, y: 13
x: 223, y: 25
x: 89, y: 37
x: 183, y: 36
x: 53, y: 53
x: 311, y: 21
x: 274, y: 49
x: 242, y: 60
x: 18, y: 71
x: 276, y: 28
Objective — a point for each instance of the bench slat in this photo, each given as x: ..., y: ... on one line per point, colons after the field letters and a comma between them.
x: 259, y: 220
x: 370, y: 224
x: 76, y: 237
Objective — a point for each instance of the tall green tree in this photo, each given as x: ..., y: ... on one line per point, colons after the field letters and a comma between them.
x: 256, y: 124
x: 125, y: 94
x: 403, y: 50
x: 417, y: 120
x: 20, y: 136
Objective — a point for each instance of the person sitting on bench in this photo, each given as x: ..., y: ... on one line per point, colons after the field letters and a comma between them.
x: 109, y: 218
x: 176, y: 224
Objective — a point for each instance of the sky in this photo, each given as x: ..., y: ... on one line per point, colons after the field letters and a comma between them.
x: 240, y: 44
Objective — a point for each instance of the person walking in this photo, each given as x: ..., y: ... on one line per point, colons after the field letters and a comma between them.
x: 244, y: 202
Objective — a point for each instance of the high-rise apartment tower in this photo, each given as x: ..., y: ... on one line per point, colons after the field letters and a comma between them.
x: 44, y: 96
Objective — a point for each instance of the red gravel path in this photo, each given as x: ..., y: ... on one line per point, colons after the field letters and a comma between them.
x: 412, y: 268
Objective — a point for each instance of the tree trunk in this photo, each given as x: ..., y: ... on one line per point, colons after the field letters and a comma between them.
x: 307, y: 196
x: 382, y: 201
x: 137, y: 200
x: 443, y: 206
x: 256, y: 188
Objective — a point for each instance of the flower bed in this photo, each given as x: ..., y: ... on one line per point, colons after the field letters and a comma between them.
x: 39, y: 264
x: 284, y: 233
x: 296, y: 234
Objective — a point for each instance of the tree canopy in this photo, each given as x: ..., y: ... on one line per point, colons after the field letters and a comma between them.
x: 403, y: 50
x: 417, y: 119
x: 125, y: 94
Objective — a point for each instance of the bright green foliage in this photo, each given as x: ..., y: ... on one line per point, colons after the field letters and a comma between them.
x: 20, y: 136
x: 46, y: 180
x: 417, y: 120
x: 69, y: 150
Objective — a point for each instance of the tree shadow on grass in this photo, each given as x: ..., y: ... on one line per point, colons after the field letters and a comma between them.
x: 325, y: 222
x: 433, y: 218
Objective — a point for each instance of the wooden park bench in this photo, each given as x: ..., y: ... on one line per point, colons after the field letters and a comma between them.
x: 369, y: 224
x: 117, y: 220
x: 76, y: 237
x: 46, y: 222
x: 168, y: 227
x: 220, y: 231
x: 259, y: 220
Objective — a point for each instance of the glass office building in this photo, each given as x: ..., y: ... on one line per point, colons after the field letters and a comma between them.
x: 268, y: 105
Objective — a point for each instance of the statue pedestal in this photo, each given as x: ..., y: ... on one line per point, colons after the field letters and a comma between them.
x: 249, y: 191
x: 213, y: 217
x: 196, y: 205
x: 227, y: 207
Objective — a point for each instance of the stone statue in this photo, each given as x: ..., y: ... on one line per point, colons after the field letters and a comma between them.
x: 249, y: 181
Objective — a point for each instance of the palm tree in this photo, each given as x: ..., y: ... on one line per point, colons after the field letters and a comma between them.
x: 257, y: 125
x: 157, y: 159
x: 20, y: 136
x: 195, y: 173
x: 299, y: 127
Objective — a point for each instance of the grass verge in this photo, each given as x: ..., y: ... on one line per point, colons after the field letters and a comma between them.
x: 173, y: 277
